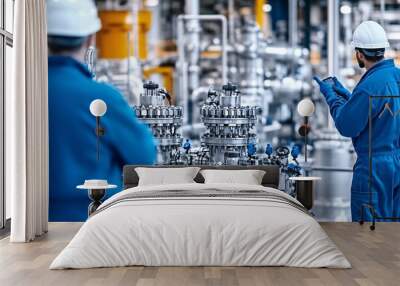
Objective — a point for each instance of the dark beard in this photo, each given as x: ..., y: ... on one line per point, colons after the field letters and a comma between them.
x: 360, y: 63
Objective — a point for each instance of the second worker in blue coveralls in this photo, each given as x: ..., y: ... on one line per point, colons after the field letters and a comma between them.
x: 71, y: 28
x: 350, y: 111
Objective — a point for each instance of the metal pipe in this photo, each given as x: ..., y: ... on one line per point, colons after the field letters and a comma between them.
x: 283, y: 52
x: 198, y: 91
x: 193, y: 30
x: 184, y: 92
x: 231, y: 12
x: 382, y: 6
x: 333, y: 40
x: 224, y: 36
x: 333, y: 36
x: 293, y: 29
x: 128, y: 69
x: 182, y: 70
x: 347, y: 25
x: 198, y: 95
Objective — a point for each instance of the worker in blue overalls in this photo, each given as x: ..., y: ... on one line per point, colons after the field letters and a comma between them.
x: 73, y: 153
x: 350, y: 112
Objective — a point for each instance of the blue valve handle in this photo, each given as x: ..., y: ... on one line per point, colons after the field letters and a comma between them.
x: 293, y: 168
x: 251, y: 149
x: 187, y: 145
x: 295, y: 152
x: 269, y: 150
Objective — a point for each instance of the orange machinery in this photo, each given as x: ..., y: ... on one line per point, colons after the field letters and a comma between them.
x: 114, y: 38
x: 114, y: 41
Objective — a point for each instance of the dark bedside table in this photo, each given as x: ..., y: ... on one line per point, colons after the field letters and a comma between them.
x: 96, y: 192
x: 305, y: 190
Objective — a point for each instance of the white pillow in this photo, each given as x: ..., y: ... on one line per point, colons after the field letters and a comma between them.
x: 248, y: 177
x: 166, y: 176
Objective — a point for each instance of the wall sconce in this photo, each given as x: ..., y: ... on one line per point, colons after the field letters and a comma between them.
x: 305, y: 108
x: 98, y: 108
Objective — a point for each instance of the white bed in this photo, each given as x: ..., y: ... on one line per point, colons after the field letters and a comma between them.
x: 222, y: 225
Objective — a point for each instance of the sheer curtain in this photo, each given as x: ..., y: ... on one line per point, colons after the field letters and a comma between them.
x: 27, y: 124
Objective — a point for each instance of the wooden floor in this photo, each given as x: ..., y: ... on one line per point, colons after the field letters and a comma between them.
x: 375, y: 257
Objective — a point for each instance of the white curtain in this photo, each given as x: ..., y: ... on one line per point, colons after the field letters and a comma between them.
x: 27, y: 124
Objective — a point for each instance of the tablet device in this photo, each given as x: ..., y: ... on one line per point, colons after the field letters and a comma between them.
x: 329, y: 80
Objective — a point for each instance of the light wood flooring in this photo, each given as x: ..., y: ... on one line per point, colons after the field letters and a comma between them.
x: 375, y: 257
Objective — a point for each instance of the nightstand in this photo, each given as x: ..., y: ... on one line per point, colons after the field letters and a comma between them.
x: 304, y: 187
x: 96, y: 192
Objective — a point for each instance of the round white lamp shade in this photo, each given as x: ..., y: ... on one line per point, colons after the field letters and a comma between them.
x: 306, y: 107
x: 98, y: 107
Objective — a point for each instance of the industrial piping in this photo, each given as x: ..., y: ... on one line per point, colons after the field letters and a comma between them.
x: 183, y: 85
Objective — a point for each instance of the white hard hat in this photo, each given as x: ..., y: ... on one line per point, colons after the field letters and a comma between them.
x: 73, y: 18
x: 369, y: 35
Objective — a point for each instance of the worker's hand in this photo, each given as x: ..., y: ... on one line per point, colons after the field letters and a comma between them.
x: 325, y: 88
x: 340, y: 89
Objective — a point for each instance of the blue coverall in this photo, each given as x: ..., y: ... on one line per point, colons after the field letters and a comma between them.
x: 72, y: 138
x: 351, y: 119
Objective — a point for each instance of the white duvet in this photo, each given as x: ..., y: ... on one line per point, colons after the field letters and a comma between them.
x: 190, y: 231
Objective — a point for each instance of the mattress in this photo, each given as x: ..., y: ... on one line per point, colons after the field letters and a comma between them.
x: 201, y: 225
